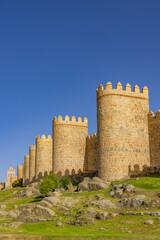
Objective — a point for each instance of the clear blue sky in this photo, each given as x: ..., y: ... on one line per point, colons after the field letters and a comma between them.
x: 54, y: 54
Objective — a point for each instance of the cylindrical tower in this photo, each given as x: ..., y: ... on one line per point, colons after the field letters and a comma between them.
x: 43, y: 164
x: 26, y: 171
x: 23, y: 173
x: 122, y: 130
x: 32, y: 158
x: 19, y: 171
x: 69, y: 145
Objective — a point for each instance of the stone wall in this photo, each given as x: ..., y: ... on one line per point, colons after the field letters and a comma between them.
x: 43, y: 162
x: 32, y: 163
x: 19, y: 172
x: 92, y: 152
x: 69, y: 145
x: 122, y: 117
x: 154, y: 138
x: 26, y: 169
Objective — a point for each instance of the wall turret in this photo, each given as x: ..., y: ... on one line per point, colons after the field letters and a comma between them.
x: 122, y: 129
x: 32, y: 162
x: 92, y: 153
x: 69, y: 145
x: 19, y: 171
x: 154, y: 138
x: 43, y: 162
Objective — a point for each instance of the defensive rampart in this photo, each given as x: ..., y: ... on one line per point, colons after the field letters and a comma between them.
x: 43, y: 161
x: 19, y: 172
x: 32, y: 162
x: 26, y: 169
x: 123, y: 139
x: 154, y: 138
x: 69, y: 145
x: 92, y: 153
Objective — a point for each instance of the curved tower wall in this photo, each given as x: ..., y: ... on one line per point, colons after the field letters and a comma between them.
x: 154, y: 138
x: 122, y: 117
x: 26, y: 169
x: 69, y: 145
x: 32, y: 158
x: 19, y: 171
x: 43, y: 162
x: 92, y: 153
x: 23, y: 172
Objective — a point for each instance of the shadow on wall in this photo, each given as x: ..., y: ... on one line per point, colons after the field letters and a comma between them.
x: 136, y: 170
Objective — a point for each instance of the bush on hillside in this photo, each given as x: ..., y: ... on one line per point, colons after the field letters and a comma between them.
x: 17, y: 183
x: 48, y: 184
x: 65, y: 182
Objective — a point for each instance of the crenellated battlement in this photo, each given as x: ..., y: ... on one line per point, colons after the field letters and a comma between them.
x: 43, y: 138
x: 32, y: 147
x: 92, y: 137
x: 108, y: 90
x: 151, y: 115
x: 26, y: 156
x: 72, y: 121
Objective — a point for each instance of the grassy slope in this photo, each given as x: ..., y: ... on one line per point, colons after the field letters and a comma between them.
x: 115, y: 228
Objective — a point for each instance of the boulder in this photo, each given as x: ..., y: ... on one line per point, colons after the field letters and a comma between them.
x: 91, y: 213
x: 94, y: 184
x: 148, y: 222
x: 54, y: 201
x: 155, y: 214
x: 53, y: 194
x: 102, y: 215
x: 32, y: 213
x: 33, y: 185
x: 118, y: 190
x: 104, y: 204
x: 28, y: 192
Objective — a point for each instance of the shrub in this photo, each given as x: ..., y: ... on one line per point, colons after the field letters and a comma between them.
x: 65, y: 182
x: 48, y: 184
x: 17, y: 183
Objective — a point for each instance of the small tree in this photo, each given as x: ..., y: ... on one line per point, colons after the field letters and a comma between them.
x: 17, y: 183
x: 65, y: 182
x: 48, y: 184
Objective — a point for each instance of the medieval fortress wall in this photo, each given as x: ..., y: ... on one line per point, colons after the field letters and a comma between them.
x: 69, y: 145
x: 127, y: 139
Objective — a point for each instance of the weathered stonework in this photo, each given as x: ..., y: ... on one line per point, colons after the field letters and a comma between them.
x: 26, y: 170
x: 11, y: 177
x: 69, y: 145
x: 19, y: 172
x: 127, y: 140
x: 92, y: 152
x: 43, y: 160
x: 32, y: 163
x: 154, y: 137
x: 122, y: 130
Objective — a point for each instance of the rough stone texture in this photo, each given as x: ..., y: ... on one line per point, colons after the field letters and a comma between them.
x: 104, y: 204
x: 19, y: 172
x: 54, y: 201
x: 122, y: 130
x: 92, y: 184
x: 126, y: 144
x: 118, y: 190
x: 32, y: 213
x: 32, y: 162
x: 43, y: 156
x: 154, y: 138
x: 28, y: 192
x: 26, y: 170
x: 69, y: 145
x: 92, y: 152
x: 148, y: 222
x: 11, y: 177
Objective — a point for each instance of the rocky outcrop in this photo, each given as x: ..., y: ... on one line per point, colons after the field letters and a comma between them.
x: 104, y: 204
x: 29, y: 192
x: 121, y: 190
x: 32, y: 213
x: 93, y: 184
